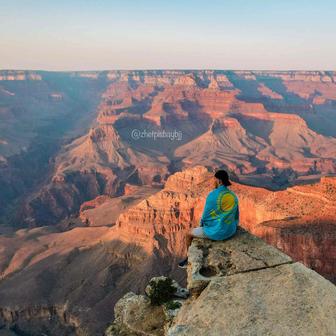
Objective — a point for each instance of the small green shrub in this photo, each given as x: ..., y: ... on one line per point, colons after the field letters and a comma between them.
x: 161, y: 291
x: 173, y: 305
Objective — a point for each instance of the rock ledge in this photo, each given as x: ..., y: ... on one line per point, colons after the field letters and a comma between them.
x: 243, y: 286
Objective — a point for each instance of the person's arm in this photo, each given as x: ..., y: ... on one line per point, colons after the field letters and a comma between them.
x: 204, y: 214
x: 237, y: 214
x: 202, y: 217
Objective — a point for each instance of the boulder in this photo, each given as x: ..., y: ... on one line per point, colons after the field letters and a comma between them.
x: 134, y: 316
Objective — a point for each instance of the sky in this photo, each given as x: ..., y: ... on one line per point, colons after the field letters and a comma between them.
x: 169, y: 34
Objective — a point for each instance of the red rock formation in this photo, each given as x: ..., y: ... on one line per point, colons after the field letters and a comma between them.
x: 97, y: 163
x: 21, y: 75
x: 226, y: 143
x: 119, y: 98
x: 104, y: 210
x: 308, y: 240
x: 159, y: 223
x: 266, y: 91
x: 245, y: 121
x: 300, y: 221
x: 288, y: 137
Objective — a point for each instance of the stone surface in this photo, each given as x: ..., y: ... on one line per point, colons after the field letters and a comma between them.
x: 241, y: 253
x: 134, y: 316
x: 105, y: 210
x: 139, y: 315
x: 242, y: 287
x: 259, y: 291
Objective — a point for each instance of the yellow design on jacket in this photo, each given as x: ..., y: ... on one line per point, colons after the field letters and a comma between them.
x: 225, y: 202
x: 213, y: 213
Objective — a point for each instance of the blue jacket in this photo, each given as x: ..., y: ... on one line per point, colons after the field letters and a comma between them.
x: 221, y: 214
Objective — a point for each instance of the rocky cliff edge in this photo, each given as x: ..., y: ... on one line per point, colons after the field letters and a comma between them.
x: 241, y: 286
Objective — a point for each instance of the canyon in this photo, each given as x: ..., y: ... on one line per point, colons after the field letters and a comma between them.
x: 90, y: 212
x: 270, y: 129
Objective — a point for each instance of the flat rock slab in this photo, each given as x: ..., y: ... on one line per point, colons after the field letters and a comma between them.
x: 242, y: 253
x: 285, y: 300
x: 134, y: 316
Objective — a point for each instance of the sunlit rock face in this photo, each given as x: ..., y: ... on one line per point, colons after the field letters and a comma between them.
x: 160, y: 222
x: 299, y: 220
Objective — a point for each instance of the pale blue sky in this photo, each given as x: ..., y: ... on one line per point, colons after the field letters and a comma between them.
x: 148, y: 34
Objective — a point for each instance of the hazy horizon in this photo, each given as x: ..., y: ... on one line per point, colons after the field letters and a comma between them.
x: 169, y: 69
x: 177, y: 35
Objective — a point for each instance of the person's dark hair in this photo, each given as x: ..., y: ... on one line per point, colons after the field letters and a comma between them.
x: 223, y: 176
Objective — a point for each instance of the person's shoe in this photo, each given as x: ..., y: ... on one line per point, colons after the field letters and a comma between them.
x: 183, y: 263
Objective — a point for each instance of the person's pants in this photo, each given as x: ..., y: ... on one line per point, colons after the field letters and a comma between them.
x: 198, y: 232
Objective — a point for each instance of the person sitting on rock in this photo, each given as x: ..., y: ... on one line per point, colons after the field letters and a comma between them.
x: 220, y: 216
